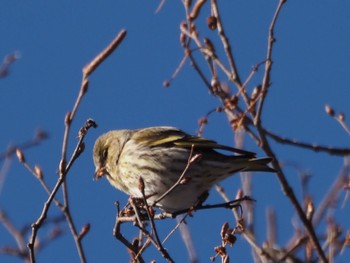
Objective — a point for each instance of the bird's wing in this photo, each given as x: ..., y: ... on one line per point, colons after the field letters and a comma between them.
x: 170, y: 136
x: 203, y: 143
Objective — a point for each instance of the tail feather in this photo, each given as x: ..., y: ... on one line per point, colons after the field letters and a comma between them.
x: 259, y: 164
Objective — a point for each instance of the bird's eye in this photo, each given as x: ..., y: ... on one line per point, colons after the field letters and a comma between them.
x: 104, y: 154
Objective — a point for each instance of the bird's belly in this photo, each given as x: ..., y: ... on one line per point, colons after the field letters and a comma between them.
x: 180, y: 198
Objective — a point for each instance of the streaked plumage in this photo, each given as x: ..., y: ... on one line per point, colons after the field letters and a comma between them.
x: 159, y: 155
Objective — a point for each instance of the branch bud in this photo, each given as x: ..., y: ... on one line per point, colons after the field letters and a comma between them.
x: 329, y: 110
x: 38, y: 172
x: 166, y: 84
x: 84, y: 231
x: 20, y: 155
x: 341, y: 117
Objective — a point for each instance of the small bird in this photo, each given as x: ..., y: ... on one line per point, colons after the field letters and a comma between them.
x: 177, y: 169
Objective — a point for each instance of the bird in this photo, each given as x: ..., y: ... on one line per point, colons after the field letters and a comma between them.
x: 176, y: 169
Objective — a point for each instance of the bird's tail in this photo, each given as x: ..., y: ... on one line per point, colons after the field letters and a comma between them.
x: 258, y: 164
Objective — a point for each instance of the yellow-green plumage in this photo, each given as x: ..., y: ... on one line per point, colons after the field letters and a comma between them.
x: 159, y: 155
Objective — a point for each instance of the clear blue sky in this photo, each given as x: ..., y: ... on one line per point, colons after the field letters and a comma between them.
x: 56, y: 39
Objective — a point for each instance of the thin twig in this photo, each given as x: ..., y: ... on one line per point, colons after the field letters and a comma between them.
x: 226, y: 44
x: 160, y: 6
x: 91, y: 67
x: 117, y: 234
x: 16, y: 234
x: 64, y: 208
x: 158, y: 243
x: 313, y: 147
x: 207, y: 52
x: 63, y: 166
x: 38, y: 138
x: 190, y: 160
x: 38, y: 174
x: 66, y: 211
x: 144, y: 246
x: 246, y: 233
x: 36, y: 226
x: 176, y: 72
x: 146, y: 233
x: 332, y: 197
x: 7, y: 61
x: 268, y: 64
x: 340, y: 118
x: 176, y: 227
x: 187, y: 239
x: 252, y: 72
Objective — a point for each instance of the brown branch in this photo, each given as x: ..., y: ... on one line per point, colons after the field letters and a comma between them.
x: 176, y: 227
x: 313, y: 147
x: 63, y: 166
x: 288, y: 191
x: 332, y: 197
x: 207, y: 52
x: 76, y: 236
x: 186, y: 238
x: 226, y: 44
x: 37, y: 173
x: 16, y: 234
x: 252, y: 72
x: 91, y: 67
x: 176, y: 72
x: 157, y: 241
x: 268, y: 63
x: 271, y: 227
x: 133, y: 250
x: 8, y: 60
x: 160, y: 6
x: 163, y: 251
x: 38, y: 223
x: 339, y: 118
x: 38, y: 138
x: 63, y: 207
x: 198, y: 70
x: 246, y: 233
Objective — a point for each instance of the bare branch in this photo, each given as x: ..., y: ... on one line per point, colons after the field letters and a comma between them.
x: 268, y: 64
x: 313, y: 147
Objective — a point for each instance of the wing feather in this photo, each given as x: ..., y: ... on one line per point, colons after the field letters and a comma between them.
x: 170, y: 136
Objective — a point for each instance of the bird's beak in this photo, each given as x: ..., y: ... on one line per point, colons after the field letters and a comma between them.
x: 99, y: 172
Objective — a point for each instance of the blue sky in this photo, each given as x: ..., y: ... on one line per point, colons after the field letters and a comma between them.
x: 56, y: 39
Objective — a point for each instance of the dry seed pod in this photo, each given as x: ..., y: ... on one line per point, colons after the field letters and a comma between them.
x: 224, y: 229
x: 212, y: 22
x: 220, y: 250
x: 229, y: 239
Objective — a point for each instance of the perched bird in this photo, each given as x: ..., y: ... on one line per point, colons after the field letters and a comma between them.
x: 176, y: 168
